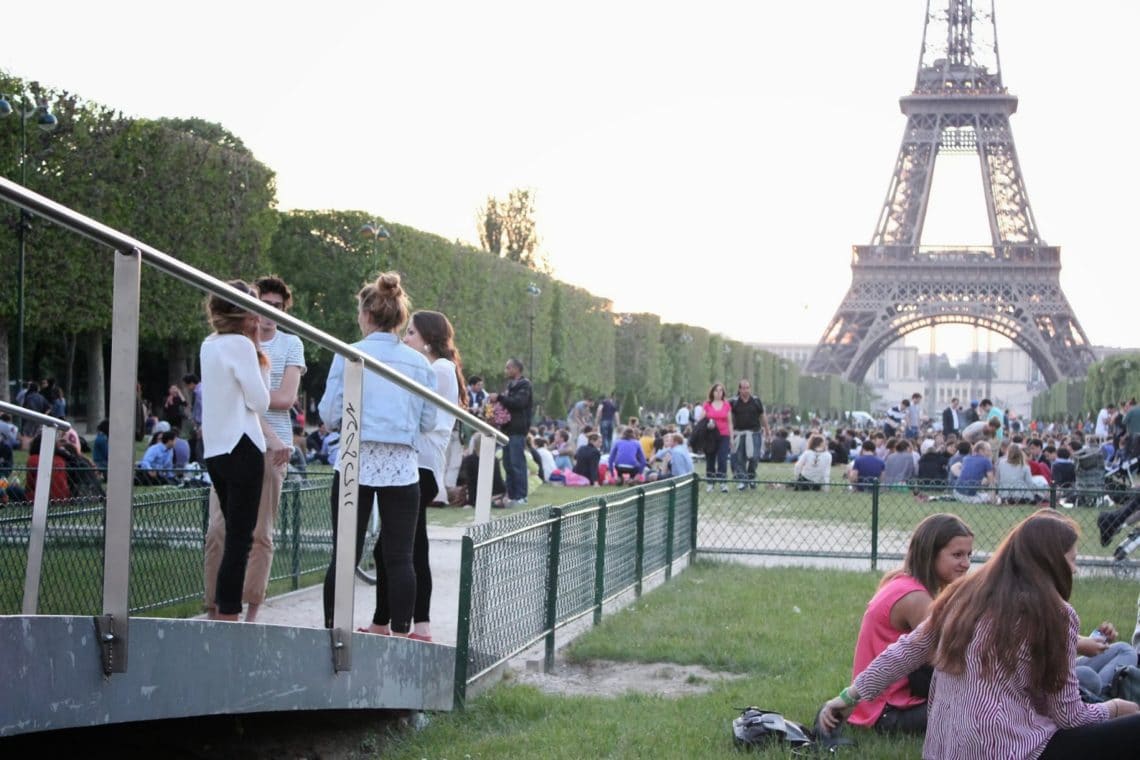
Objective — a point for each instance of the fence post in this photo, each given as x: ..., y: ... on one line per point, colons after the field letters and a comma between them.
x: 206, y: 513
x: 600, y: 562
x: 694, y: 505
x: 1052, y: 496
x: 552, y: 586
x: 670, y: 522
x: 875, y: 525
x: 463, y: 624
x: 639, y: 556
x: 295, y: 565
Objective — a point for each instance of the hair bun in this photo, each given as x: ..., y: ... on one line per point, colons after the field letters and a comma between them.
x: 388, y: 283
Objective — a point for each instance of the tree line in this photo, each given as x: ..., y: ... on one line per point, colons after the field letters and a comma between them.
x: 192, y: 189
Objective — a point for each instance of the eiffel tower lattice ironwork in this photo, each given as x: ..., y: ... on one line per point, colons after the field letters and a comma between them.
x: 959, y: 105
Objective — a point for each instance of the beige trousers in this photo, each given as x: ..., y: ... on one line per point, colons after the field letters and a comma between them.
x: 261, y: 553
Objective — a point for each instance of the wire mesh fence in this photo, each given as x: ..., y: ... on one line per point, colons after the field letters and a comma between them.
x: 873, y: 523
x: 525, y: 576
x: 167, y: 538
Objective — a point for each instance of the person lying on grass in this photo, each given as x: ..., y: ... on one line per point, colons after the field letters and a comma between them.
x: 1003, y: 641
x: 938, y: 554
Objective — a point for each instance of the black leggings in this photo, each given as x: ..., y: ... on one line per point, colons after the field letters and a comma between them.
x: 399, y: 514
x: 1118, y: 737
x: 422, y: 611
x: 236, y: 477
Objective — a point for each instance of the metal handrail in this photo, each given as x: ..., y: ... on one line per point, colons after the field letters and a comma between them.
x: 112, y: 626
x: 43, y: 419
x: 101, y: 233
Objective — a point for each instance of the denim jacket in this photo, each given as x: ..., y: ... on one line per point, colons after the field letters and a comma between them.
x: 390, y: 414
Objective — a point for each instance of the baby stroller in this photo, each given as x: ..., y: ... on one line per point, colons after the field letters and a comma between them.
x: 1089, y: 488
x: 1109, y: 522
x: 1120, y: 477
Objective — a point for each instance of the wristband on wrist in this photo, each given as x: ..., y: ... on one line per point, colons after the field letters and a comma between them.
x: 848, y: 700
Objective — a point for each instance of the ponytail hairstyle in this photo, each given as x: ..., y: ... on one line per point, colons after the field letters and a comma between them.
x: 438, y: 335
x: 385, y: 302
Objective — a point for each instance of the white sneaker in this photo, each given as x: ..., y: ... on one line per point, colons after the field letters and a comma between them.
x: 724, y: 489
x: 741, y: 487
x: 708, y: 488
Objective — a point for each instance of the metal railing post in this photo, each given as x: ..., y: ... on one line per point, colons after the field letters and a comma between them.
x: 670, y: 523
x: 463, y: 621
x: 639, y: 556
x: 875, y: 525
x: 600, y: 562
x: 485, y: 480
x: 1052, y: 495
x: 348, y: 461
x: 111, y: 626
x: 552, y: 586
x: 694, y: 504
x: 39, y: 522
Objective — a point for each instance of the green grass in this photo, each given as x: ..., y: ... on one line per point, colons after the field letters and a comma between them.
x: 791, y: 632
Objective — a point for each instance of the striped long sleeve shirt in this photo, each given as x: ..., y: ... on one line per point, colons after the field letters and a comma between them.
x: 972, y: 716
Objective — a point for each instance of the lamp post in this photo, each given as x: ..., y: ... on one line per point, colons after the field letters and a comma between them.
x: 46, y: 121
x: 534, y: 292
x: 376, y: 232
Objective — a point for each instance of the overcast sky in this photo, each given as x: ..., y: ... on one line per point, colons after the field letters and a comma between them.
x: 744, y: 144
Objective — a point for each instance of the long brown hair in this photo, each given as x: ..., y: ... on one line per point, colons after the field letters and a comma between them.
x: 225, y: 317
x: 439, y: 336
x: 1021, y: 592
x: 930, y: 537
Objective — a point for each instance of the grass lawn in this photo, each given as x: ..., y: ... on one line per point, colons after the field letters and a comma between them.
x: 789, y: 631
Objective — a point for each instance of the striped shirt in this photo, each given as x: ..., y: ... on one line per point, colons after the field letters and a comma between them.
x: 971, y: 717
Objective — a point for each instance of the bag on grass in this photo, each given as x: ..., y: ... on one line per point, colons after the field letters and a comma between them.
x: 756, y: 728
x: 1125, y: 684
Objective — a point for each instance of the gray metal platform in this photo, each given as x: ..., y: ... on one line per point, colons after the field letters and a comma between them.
x: 53, y: 678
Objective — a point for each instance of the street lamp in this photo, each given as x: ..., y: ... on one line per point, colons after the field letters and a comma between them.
x: 46, y: 121
x: 534, y: 292
x: 376, y: 232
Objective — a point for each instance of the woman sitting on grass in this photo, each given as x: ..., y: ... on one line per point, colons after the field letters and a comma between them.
x: 1002, y: 641
x: 813, y: 468
x: 938, y: 554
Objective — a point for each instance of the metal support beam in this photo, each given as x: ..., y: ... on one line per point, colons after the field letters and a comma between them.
x: 348, y: 466
x: 39, y: 522
x: 486, y: 479
x: 112, y: 625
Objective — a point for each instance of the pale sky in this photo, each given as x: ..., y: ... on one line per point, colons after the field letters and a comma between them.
x: 744, y: 144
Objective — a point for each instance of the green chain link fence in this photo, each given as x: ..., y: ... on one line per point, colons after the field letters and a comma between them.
x: 167, y: 537
x: 525, y: 576
x: 874, y: 524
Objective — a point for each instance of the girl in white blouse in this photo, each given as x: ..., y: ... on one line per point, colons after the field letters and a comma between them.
x: 235, y: 390
x: 431, y: 334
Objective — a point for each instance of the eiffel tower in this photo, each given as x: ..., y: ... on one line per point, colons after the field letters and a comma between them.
x: 1012, y: 287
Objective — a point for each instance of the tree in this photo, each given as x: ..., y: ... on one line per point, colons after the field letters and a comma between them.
x: 514, y: 219
x: 489, y: 221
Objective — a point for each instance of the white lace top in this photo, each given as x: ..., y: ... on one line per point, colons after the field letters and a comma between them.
x: 387, y: 464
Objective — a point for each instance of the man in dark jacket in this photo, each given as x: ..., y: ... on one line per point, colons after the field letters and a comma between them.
x: 518, y: 399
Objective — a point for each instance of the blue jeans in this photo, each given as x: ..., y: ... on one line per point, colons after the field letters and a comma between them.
x: 744, y: 466
x: 1095, y: 673
x: 514, y: 461
x: 716, y: 466
x: 606, y: 428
